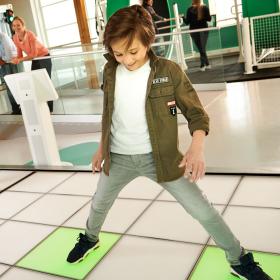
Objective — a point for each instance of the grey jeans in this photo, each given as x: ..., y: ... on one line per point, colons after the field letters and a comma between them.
x: 125, y: 168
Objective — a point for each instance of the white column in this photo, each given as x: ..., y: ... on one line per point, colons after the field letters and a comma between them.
x: 247, y: 47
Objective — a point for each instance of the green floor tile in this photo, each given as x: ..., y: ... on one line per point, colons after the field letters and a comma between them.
x: 50, y: 256
x: 213, y: 265
x: 79, y: 154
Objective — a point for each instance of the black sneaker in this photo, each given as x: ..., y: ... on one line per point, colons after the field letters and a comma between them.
x: 82, y: 248
x: 249, y: 269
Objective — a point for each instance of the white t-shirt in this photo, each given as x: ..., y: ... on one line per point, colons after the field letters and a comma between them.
x: 129, y: 129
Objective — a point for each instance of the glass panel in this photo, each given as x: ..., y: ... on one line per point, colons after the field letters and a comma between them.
x: 59, y: 14
x: 77, y: 80
x: 77, y: 77
x: 209, y: 43
x: 203, y: 56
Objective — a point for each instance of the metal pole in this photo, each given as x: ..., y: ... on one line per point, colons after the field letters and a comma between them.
x: 179, y: 40
x: 247, y: 47
x: 239, y: 34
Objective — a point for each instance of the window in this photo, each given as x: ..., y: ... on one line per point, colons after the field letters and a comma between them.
x: 225, y: 11
x: 59, y: 23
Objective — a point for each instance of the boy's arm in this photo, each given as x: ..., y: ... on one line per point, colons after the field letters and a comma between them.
x: 97, y: 158
x: 187, y: 101
x: 198, y: 121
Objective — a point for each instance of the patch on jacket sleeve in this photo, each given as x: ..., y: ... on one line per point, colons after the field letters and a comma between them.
x: 160, y: 80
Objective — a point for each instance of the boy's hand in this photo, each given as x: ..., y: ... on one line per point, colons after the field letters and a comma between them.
x: 194, y: 164
x: 97, y: 161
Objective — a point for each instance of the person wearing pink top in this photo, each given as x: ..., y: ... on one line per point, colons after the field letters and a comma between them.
x: 26, y: 41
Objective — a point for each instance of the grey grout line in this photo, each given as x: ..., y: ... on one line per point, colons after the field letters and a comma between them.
x: 139, y: 216
x: 34, y: 201
x: 143, y: 212
x: 13, y: 184
x: 30, y: 269
x: 144, y: 199
x: 55, y: 227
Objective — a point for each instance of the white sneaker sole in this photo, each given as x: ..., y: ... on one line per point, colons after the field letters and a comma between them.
x: 234, y: 273
x: 87, y: 252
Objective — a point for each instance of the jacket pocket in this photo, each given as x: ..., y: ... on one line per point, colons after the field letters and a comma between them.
x: 163, y: 101
x: 158, y: 92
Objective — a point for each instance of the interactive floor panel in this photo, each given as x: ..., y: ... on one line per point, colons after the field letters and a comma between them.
x: 50, y: 256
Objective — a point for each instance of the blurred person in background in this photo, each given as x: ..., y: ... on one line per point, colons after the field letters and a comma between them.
x: 8, y: 51
x: 197, y: 17
x: 26, y: 41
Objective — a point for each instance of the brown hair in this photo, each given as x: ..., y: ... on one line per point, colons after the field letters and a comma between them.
x: 199, y: 6
x: 127, y: 23
x: 20, y: 19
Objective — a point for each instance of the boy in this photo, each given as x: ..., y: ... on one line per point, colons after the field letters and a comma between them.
x: 140, y: 137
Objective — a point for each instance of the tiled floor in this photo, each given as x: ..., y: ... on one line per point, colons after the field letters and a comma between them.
x: 158, y: 239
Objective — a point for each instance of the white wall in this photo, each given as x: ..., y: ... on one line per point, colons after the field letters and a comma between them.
x: 22, y: 8
x: 133, y: 2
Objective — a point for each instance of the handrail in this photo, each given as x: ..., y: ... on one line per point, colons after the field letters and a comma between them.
x: 168, y: 19
x: 104, y: 51
x: 68, y: 45
x: 226, y: 19
x: 166, y: 27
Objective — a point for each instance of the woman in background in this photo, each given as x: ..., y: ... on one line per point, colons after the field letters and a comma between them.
x: 148, y: 5
x: 26, y: 41
x: 196, y: 17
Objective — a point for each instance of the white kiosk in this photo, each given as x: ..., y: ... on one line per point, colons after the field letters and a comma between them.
x: 31, y: 91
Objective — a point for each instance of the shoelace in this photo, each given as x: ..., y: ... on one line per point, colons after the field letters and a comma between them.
x: 82, y: 241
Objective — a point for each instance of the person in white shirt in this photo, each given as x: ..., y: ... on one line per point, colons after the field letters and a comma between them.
x: 8, y: 51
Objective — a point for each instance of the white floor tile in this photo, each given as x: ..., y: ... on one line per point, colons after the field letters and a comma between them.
x: 8, y: 178
x: 12, y: 202
x: 258, y: 191
x: 1, y: 222
x: 256, y: 228
x: 122, y: 214
x: 3, y: 268
x: 23, y: 237
x: 141, y: 187
x: 52, y: 209
x: 80, y: 184
x: 23, y: 274
x: 143, y: 258
x: 169, y: 220
x: 42, y: 181
x: 218, y: 189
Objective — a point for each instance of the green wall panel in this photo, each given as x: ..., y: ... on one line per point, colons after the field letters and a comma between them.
x: 114, y: 5
x: 253, y: 8
x: 229, y: 37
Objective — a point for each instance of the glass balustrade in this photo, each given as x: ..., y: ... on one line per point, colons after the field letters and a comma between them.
x: 77, y: 75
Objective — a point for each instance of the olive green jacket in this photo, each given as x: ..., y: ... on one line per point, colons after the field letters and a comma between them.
x: 168, y: 87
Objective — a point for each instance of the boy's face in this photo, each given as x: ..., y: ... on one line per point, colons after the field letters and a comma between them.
x: 132, y: 57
